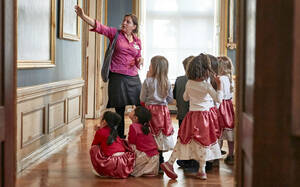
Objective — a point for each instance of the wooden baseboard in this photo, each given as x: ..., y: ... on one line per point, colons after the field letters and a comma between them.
x: 49, y: 148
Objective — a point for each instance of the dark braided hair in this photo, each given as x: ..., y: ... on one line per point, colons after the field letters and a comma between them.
x: 144, y: 116
x: 113, y: 120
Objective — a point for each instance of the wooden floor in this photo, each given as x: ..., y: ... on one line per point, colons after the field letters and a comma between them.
x: 71, y: 167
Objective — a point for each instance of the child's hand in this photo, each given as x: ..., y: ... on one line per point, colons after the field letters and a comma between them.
x: 97, y: 127
x: 218, y: 82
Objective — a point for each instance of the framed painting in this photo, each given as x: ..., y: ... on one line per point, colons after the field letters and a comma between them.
x: 69, y: 27
x: 231, y: 43
x: 36, y: 23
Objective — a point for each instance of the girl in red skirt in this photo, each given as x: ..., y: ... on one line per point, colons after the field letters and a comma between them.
x: 110, y: 155
x: 226, y: 107
x: 142, y: 142
x: 197, y: 137
x: 156, y: 93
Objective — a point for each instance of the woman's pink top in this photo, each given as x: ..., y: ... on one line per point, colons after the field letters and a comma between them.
x: 143, y: 142
x: 101, y: 137
x: 124, y: 59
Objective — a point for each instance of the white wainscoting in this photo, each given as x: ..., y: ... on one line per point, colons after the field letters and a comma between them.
x: 48, y: 116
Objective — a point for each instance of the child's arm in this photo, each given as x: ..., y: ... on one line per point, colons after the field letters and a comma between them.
x: 217, y: 96
x: 170, y: 94
x: 131, y: 135
x: 98, y: 138
x: 144, y: 91
x: 174, y: 90
x: 185, y: 94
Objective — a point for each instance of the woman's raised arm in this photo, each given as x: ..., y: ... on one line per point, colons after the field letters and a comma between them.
x: 84, y: 17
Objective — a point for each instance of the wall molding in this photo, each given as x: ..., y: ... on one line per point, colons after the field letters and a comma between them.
x: 30, y: 92
x: 46, y: 115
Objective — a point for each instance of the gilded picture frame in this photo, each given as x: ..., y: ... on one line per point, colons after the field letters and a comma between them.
x: 36, y: 24
x: 231, y: 19
x: 69, y: 27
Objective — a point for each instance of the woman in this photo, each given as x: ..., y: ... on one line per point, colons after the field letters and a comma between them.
x: 124, y: 83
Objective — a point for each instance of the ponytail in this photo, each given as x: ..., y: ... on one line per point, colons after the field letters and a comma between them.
x: 144, y: 116
x: 113, y: 135
x: 145, y: 128
x: 113, y: 120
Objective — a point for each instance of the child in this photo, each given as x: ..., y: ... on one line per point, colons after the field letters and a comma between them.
x: 182, y: 105
x: 214, y: 64
x: 156, y: 93
x: 143, y: 143
x: 108, y: 151
x: 196, y: 137
x: 226, y: 107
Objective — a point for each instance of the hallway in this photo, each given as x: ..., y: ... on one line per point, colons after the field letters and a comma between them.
x: 70, y: 167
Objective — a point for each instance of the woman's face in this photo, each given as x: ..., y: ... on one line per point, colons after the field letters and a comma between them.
x: 128, y: 25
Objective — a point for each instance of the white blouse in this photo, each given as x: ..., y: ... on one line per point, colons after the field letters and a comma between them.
x: 201, y: 95
x: 225, y: 85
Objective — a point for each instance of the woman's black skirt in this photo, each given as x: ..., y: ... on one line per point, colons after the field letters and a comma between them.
x: 123, y: 90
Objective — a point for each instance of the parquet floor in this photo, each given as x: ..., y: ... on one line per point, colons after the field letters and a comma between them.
x: 70, y: 167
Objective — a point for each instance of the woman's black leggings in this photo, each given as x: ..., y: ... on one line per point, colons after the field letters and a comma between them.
x: 121, y: 111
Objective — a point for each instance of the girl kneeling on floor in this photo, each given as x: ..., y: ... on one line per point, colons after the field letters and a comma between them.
x: 110, y: 155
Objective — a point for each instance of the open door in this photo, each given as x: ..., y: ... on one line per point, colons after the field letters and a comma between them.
x: 92, y: 50
x: 7, y: 93
x: 268, y: 92
x: 246, y: 74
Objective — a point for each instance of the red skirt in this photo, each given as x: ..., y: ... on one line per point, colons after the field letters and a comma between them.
x: 218, y: 122
x: 199, y: 126
x: 113, y: 166
x: 161, y: 120
x: 227, y: 114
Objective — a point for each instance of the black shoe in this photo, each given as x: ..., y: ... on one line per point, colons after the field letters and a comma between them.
x: 193, y: 164
x: 223, y: 152
x: 208, y: 166
x: 181, y: 163
x: 191, y: 170
x: 229, y: 160
x: 160, y: 171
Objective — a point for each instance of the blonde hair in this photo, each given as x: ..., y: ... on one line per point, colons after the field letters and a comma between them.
x: 226, y: 68
x: 160, y: 68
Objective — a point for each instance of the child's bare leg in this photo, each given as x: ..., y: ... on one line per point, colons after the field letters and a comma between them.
x: 201, y: 172
x: 220, y: 141
x: 167, y: 167
x: 173, y: 157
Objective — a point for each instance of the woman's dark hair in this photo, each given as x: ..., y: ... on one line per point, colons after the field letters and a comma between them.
x: 199, y: 67
x: 214, y: 64
x: 144, y: 116
x: 113, y: 120
x: 135, y: 21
